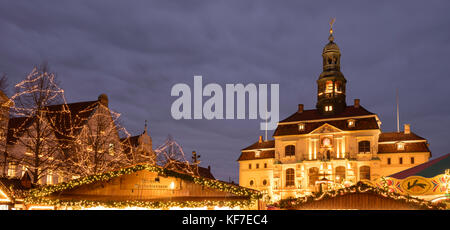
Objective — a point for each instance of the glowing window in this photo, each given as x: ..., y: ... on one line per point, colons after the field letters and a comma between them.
x: 257, y: 154
x: 329, y: 87
x: 351, y: 123
x: 301, y: 126
x: 326, y: 142
x: 400, y: 146
x: 364, y: 173
x: 50, y: 177
x: 290, y: 177
x: 111, y: 149
x: 328, y: 108
x: 12, y: 169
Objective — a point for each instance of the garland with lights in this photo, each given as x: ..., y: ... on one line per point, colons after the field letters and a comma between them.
x: 37, y: 196
x: 77, y: 204
x: 360, y: 187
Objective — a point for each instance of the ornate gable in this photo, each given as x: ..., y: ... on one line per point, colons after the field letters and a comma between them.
x: 326, y: 128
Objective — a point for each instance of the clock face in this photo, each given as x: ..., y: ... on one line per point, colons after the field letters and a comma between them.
x: 326, y: 141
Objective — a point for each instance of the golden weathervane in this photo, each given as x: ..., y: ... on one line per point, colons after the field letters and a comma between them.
x: 331, y: 25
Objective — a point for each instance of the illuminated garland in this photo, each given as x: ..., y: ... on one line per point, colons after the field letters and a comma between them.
x: 36, y: 196
x: 141, y: 204
x: 360, y: 187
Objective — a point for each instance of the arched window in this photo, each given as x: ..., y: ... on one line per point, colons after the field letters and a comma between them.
x: 252, y: 183
x: 290, y: 177
x: 289, y: 150
x: 329, y: 87
x: 364, y: 147
x: 340, y: 174
x: 364, y: 173
x: 313, y: 174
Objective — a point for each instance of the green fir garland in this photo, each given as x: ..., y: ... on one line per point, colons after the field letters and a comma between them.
x: 37, y: 196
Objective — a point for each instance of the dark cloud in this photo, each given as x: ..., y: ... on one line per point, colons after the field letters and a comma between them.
x: 135, y: 51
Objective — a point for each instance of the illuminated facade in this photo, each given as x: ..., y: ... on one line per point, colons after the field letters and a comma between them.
x: 333, y: 145
x: 86, y: 118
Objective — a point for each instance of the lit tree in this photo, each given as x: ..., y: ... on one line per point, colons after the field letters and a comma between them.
x: 4, y: 83
x: 97, y: 148
x: 35, y: 134
x: 170, y: 155
x: 5, y: 104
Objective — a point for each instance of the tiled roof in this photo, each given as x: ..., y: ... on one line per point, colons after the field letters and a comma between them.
x: 262, y: 155
x: 409, y: 148
x: 428, y: 169
x: 314, y: 114
x: 399, y: 136
x: 261, y: 145
x: 360, y: 124
x: 66, y: 123
x: 188, y: 168
x: 19, y: 124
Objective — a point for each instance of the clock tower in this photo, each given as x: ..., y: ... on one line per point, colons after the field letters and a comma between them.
x: 331, y: 82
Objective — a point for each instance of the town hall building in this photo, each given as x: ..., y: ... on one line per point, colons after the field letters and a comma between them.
x: 331, y: 146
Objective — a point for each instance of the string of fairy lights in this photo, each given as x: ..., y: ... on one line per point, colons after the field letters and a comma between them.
x: 360, y: 187
x: 38, y: 196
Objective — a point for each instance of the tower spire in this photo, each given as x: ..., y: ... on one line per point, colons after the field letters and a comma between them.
x: 331, y: 38
x: 331, y: 82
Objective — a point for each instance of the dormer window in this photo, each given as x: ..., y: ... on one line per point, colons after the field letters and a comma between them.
x: 351, y: 123
x: 257, y: 154
x: 301, y: 127
x: 400, y: 146
x: 328, y: 108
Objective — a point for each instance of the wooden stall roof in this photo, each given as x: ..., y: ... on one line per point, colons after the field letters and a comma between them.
x: 360, y: 196
x: 125, y: 188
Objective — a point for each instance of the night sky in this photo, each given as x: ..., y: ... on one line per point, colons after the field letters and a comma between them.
x: 135, y: 51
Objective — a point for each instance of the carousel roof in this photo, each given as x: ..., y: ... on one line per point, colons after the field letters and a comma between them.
x: 428, y: 169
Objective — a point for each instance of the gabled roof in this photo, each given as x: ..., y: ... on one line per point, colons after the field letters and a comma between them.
x: 185, y: 167
x: 261, y: 145
x: 66, y: 123
x: 408, y: 148
x: 428, y: 169
x: 314, y: 114
x: 13, y: 187
x: 262, y: 155
x: 44, y: 195
x: 359, y: 188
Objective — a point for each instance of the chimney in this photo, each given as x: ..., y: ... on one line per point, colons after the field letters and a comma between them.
x: 260, y: 139
x: 300, y: 108
x: 356, y: 104
x: 103, y: 99
x: 407, y: 128
x: 209, y: 168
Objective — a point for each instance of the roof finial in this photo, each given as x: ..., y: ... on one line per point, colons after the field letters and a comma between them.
x: 331, y: 38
